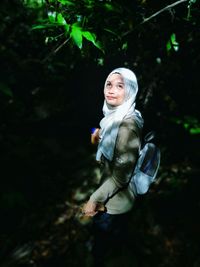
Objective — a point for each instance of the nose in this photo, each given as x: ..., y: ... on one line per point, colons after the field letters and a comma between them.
x: 111, y: 90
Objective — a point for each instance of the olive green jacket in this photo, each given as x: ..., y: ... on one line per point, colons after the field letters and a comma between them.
x: 117, y: 173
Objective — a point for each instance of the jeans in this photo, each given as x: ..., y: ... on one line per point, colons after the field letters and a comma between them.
x: 110, y: 235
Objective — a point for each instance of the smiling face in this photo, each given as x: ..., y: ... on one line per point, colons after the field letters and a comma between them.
x: 114, y: 90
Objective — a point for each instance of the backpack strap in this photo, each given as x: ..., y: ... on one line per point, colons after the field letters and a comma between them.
x: 138, y: 133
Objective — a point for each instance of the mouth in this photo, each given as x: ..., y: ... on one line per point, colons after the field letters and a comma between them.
x: 110, y: 98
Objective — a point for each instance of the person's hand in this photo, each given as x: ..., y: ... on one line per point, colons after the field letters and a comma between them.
x: 95, y: 136
x: 89, y: 209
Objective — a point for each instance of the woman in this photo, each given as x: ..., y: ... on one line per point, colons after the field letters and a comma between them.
x: 118, y: 146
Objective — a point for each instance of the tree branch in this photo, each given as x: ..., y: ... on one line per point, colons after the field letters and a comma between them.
x: 162, y: 10
x: 55, y: 50
x: 156, y: 14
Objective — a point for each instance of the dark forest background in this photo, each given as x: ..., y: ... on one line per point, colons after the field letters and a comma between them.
x: 55, y: 56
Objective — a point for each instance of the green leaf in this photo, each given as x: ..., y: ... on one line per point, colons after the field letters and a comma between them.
x: 125, y: 46
x: 195, y: 130
x: 168, y: 46
x: 189, y: 123
x: 100, y: 61
x: 66, y: 2
x: 33, y: 3
x: 175, y: 44
x: 61, y: 20
x: 173, y: 38
x: 52, y: 16
x: 6, y: 90
x: 67, y: 27
x: 89, y: 36
x: 92, y: 38
x: 186, y: 125
x: 172, y: 43
x: 109, y: 7
x: 99, y: 46
x: 44, y: 26
x: 35, y: 27
x: 192, y: 1
x: 76, y: 35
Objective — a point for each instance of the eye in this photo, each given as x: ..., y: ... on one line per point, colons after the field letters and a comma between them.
x: 120, y: 86
x: 108, y: 84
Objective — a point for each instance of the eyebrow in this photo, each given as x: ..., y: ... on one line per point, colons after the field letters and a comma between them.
x: 118, y: 82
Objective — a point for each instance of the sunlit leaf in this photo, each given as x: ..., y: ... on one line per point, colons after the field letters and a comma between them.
x: 92, y: 38
x: 61, y: 19
x: 52, y: 16
x: 172, y: 43
x: 173, y: 38
x: 49, y: 39
x: 66, y: 2
x: 76, y: 35
x: 67, y: 27
x: 89, y: 36
x: 175, y: 44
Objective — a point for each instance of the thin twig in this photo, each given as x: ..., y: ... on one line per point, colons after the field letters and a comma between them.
x: 60, y: 46
x: 162, y: 10
x: 156, y: 14
x: 56, y: 50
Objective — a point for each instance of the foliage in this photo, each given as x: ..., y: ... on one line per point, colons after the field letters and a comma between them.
x: 191, y: 124
x: 84, y: 19
x: 172, y: 43
x: 55, y: 56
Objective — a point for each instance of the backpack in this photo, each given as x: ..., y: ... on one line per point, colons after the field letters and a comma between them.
x: 146, y: 167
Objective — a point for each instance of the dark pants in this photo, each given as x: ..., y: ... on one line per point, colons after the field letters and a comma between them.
x: 110, y: 236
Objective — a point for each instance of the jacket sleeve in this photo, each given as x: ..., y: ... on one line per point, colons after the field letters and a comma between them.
x: 122, y: 165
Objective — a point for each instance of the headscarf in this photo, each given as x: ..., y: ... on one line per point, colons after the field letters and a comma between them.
x: 113, y: 116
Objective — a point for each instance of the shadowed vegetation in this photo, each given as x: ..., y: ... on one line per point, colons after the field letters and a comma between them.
x: 55, y: 56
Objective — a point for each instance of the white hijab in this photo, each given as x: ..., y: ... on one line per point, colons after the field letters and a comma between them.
x: 113, y: 116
